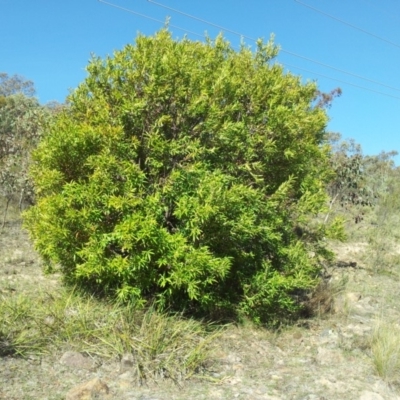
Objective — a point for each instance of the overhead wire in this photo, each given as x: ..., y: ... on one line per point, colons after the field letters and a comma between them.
x: 345, y: 82
x: 200, y: 20
x: 148, y: 17
x: 347, y: 23
x: 252, y: 39
x: 341, y: 70
x: 382, y: 10
x: 282, y: 50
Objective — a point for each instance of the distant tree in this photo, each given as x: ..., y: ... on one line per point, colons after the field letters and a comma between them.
x: 348, y: 186
x: 325, y: 100
x: 179, y: 175
x: 379, y: 170
x: 21, y: 121
x: 357, y: 181
x: 10, y: 85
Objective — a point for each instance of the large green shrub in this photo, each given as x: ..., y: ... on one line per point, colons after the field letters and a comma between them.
x: 183, y: 173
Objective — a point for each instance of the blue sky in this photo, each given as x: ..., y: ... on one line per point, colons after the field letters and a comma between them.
x: 50, y: 42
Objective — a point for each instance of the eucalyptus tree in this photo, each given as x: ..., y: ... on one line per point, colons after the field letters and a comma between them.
x: 21, y: 121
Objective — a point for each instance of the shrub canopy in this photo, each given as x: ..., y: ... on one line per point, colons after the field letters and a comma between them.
x: 180, y: 174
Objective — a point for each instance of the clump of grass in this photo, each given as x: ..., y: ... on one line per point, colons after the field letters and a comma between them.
x: 161, y: 345
x: 18, y: 334
x: 385, y: 350
x: 381, y: 255
x: 321, y: 300
x: 171, y: 346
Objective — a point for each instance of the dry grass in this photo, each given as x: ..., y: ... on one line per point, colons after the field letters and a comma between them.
x: 321, y: 301
x: 162, y: 346
x: 385, y: 350
x: 39, y: 321
x: 168, y: 346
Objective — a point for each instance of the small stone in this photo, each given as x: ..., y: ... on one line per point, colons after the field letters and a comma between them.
x: 329, y: 337
x: 75, y: 359
x: 326, y: 332
x: 127, y: 362
x: 88, y: 391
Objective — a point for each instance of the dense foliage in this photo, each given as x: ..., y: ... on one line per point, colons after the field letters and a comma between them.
x: 185, y: 173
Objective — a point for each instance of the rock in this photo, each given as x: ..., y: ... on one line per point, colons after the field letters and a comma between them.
x: 76, y: 360
x: 127, y: 362
x: 329, y: 337
x: 94, y: 389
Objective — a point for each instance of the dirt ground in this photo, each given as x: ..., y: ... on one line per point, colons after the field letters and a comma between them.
x: 327, y: 357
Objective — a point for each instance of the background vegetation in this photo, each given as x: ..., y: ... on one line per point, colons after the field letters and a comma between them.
x: 22, y: 120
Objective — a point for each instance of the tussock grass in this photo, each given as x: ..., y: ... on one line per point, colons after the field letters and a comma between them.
x: 320, y: 303
x: 18, y: 333
x: 160, y: 345
x: 385, y: 350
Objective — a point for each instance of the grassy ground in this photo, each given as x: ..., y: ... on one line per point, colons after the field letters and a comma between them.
x: 353, y: 337
x: 39, y: 316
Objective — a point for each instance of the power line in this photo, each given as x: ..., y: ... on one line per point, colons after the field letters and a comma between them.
x: 201, y: 20
x: 339, y: 80
x: 247, y: 37
x: 371, y: 3
x: 282, y: 50
x: 148, y: 17
x: 347, y: 23
x: 341, y: 70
